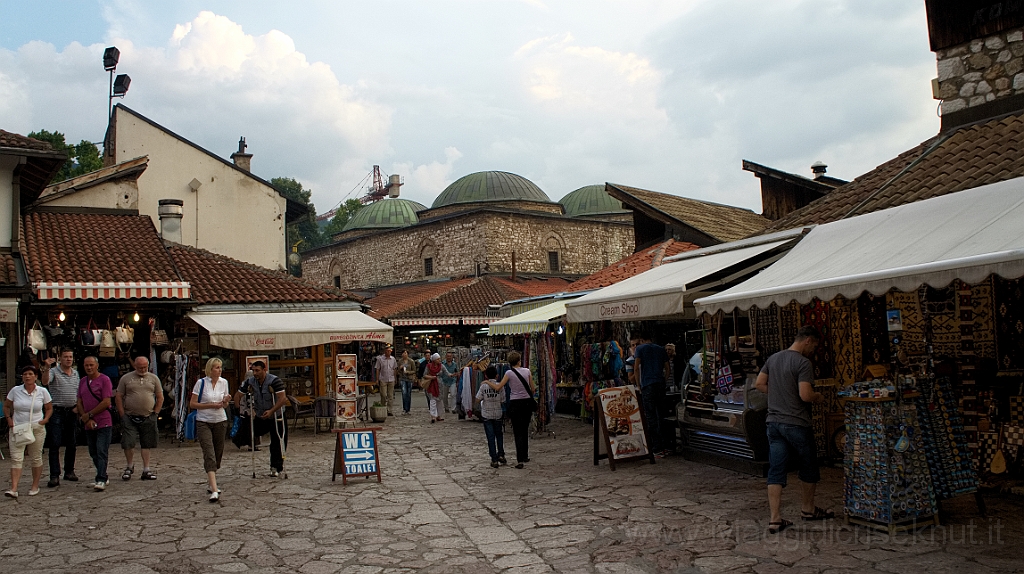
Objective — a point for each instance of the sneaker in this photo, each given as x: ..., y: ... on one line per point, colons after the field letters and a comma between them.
x: 502, y: 460
x: 215, y: 496
x: 494, y: 464
x: 148, y: 475
x: 72, y: 477
x: 274, y: 472
x: 100, y: 485
x: 54, y: 482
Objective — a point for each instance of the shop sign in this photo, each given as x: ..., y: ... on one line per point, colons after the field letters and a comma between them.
x: 619, y: 434
x: 348, y: 337
x: 620, y: 309
x: 355, y: 454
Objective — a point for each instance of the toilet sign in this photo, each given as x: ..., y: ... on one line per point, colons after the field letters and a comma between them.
x: 355, y: 454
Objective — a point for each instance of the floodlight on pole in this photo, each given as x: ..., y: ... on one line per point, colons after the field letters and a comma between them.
x: 110, y: 57
x: 119, y: 86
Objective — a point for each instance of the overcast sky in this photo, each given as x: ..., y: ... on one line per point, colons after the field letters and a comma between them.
x: 663, y: 95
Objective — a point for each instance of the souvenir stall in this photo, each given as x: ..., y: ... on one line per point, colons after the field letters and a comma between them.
x: 909, y: 339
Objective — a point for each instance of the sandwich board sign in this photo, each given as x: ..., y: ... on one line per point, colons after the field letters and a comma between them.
x: 355, y: 454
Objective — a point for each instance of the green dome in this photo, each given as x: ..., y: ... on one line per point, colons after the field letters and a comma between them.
x: 591, y: 200
x: 490, y: 186
x: 385, y: 214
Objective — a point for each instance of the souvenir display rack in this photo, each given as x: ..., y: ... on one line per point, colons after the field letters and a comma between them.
x: 945, y: 443
x: 888, y: 484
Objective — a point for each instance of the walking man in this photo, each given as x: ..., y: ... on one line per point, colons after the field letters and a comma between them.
x: 384, y: 371
x: 60, y: 431
x: 651, y: 369
x: 268, y: 397
x: 788, y: 379
x: 449, y: 376
x: 94, y: 394
x: 139, y: 399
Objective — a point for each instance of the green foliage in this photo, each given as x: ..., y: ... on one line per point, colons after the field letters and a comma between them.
x: 342, y: 216
x: 305, y: 229
x: 82, y: 158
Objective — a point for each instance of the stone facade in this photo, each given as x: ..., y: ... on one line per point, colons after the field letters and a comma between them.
x: 981, y: 71
x: 457, y: 244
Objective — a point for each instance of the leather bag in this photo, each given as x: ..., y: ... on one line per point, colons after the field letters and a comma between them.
x: 36, y: 337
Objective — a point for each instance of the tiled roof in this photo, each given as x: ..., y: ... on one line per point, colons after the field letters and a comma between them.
x: 392, y: 300
x: 635, y: 264
x: 723, y: 222
x: 12, y: 140
x: 8, y: 271
x: 216, y: 279
x: 94, y: 248
x: 962, y: 159
x: 535, y: 286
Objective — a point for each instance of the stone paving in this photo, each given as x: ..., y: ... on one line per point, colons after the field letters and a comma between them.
x: 441, y: 508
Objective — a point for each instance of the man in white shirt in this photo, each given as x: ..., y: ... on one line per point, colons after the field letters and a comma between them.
x: 384, y: 371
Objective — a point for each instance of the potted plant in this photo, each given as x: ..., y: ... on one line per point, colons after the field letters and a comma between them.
x: 378, y: 412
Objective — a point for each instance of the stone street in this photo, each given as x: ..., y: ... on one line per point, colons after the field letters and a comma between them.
x: 442, y: 508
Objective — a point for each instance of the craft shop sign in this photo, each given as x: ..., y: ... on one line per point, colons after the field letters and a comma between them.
x: 620, y: 309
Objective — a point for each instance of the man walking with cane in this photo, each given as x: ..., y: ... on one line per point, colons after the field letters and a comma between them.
x: 268, y: 399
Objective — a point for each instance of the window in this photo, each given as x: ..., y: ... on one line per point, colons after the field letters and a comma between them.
x: 337, y: 281
x: 428, y: 266
x: 553, y: 260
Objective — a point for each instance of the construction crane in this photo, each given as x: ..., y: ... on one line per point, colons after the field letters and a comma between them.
x: 378, y: 190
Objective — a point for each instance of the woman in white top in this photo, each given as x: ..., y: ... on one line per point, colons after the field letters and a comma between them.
x: 28, y: 403
x: 210, y: 397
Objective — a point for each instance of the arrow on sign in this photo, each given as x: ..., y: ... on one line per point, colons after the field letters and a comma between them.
x: 359, y: 455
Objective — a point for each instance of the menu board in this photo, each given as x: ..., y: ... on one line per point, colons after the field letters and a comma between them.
x: 621, y: 425
x: 346, y: 389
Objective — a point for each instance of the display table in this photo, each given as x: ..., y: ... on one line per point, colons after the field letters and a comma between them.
x: 888, y: 485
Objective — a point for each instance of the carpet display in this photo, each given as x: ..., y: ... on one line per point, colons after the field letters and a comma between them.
x: 845, y: 366
x: 1009, y: 311
x: 766, y: 326
x: 950, y: 460
x: 874, y: 329
x: 816, y: 314
x: 984, y: 320
x: 789, y: 323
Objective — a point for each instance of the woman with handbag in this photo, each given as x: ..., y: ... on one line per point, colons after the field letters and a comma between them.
x: 28, y: 408
x: 521, y: 404
x: 209, y: 399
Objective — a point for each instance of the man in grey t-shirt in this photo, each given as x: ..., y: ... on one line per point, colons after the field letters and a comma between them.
x: 788, y: 380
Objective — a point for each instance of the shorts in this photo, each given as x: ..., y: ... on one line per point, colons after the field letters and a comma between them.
x: 791, y: 444
x: 133, y: 433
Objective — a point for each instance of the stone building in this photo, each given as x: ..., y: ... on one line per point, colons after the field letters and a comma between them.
x: 484, y: 223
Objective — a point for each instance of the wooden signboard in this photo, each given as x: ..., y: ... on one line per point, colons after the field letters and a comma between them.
x: 355, y: 454
x: 620, y: 433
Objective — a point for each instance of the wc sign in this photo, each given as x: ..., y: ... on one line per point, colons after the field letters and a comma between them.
x: 355, y: 454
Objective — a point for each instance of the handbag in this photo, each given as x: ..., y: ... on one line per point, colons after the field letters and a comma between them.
x: 36, y: 337
x: 124, y: 335
x: 86, y: 335
x: 108, y: 346
x: 529, y: 395
x: 158, y: 337
x: 190, y: 419
x: 235, y: 425
x: 22, y: 434
x: 52, y: 332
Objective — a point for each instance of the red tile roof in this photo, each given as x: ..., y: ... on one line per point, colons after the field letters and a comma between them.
x: 635, y: 264
x: 968, y: 157
x: 392, y: 300
x: 468, y: 297
x: 94, y: 248
x: 8, y: 270
x: 535, y: 286
x: 216, y: 279
x: 12, y: 140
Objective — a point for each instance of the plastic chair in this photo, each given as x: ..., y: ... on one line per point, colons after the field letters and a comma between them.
x: 303, y: 410
x: 323, y: 410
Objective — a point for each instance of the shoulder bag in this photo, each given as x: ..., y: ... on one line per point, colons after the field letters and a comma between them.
x: 36, y: 337
x: 86, y: 335
x: 190, y: 419
x: 22, y: 435
x: 526, y: 387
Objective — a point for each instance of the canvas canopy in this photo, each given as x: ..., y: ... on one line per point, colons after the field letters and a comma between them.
x: 261, y: 330
x: 967, y: 235
x: 530, y: 321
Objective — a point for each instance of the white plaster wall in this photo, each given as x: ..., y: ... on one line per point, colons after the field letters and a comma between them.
x: 231, y: 214
x: 7, y: 165
x: 122, y: 194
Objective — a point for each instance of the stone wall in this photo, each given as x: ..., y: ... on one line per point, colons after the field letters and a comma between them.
x: 981, y: 71
x: 395, y: 256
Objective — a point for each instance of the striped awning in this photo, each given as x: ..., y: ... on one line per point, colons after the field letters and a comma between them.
x: 532, y: 321
x: 115, y: 290
x: 424, y: 321
x: 479, y: 320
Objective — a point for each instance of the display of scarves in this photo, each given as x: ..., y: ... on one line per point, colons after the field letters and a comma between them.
x: 466, y: 385
x: 181, y: 394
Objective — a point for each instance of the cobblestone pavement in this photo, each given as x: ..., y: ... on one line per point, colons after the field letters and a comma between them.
x: 441, y: 508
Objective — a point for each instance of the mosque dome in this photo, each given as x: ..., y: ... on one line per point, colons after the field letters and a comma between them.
x: 591, y: 200
x: 490, y: 186
x: 385, y: 214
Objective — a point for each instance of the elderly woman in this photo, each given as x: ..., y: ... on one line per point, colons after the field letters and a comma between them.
x: 432, y: 385
x: 209, y: 398
x: 28, y: 403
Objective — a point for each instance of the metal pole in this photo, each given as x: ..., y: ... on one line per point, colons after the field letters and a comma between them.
x: 110, y: 95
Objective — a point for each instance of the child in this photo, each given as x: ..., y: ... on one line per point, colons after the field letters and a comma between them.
x: 490, y: 408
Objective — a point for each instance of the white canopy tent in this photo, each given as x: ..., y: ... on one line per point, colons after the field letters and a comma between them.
x: 967, y: 235
x: 662, y: 291
x: 266, y: 330
x: 530, y: 321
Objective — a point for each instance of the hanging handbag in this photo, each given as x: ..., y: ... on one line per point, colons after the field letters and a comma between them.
x: 36, y: 337
x: 52, y: 332
x: 529, y: 395
x: 86, y: 335
x: 190, y: 418
x: 22, y: 435
x: 108, y: 345
x: 124, y: 335
x: 158, y: 337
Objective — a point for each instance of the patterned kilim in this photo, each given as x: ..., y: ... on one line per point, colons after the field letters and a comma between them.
x: 1009, y: 308
x: 984, y: 320
x: 909, y: 307
x: 820, y: 414
x: 874, y: 329
x: 941, y: 305
x: 945, y: 445
x: 766, y: 326
x: 969, y: 398
x: 816, y: 314
x: 841, y: 328
x: 789, y: 323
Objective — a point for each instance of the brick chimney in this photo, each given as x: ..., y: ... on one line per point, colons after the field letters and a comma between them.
x: 242, y: 160
x: 979, y: 49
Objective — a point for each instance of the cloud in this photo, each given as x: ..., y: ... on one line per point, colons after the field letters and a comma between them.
x: 424, y: 182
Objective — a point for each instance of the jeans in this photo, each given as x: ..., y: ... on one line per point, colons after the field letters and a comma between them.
x: 653, y: 396
x: 61, y: 433
x: 99, y: 445
x: 520, y: 412
x: 264, y: 426
x: 406, y: 394
x: 785, y: 440
x: 495, y: 431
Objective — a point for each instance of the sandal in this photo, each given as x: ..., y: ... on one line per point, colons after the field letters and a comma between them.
x: 818, y: 514
x: 777, y: 527
x: 127, y: 474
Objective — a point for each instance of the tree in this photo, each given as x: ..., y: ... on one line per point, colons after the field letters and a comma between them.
x: 341, y: 217
x: 82, y: 158
x: 305, y: 229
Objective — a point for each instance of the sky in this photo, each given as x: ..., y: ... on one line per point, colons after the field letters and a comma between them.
x: 669, y: 96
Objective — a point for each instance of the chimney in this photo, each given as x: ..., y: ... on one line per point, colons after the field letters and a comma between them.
x: 979, y: 52
x: 242, y: 160
x: 818, y: 169
x: 170, y: 211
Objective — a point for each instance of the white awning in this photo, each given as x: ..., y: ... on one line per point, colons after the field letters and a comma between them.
x: 258, y: 331
x: 967, y: 235
x: 660, y: 292
x: 531, y: 321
